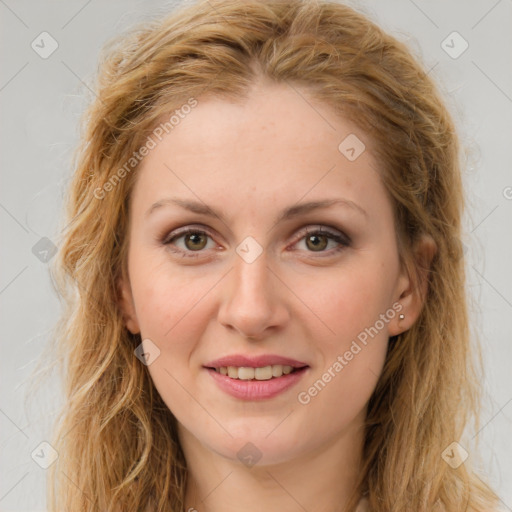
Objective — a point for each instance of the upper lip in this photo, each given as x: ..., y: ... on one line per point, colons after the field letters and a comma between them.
x: 254, y: 361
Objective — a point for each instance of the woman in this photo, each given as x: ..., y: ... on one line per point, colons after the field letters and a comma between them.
x: 264, y: 274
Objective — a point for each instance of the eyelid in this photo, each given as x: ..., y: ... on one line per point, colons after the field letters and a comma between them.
x: 176, y: 233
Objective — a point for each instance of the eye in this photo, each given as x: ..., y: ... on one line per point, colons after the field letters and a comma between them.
x: 318, y: 240
x: 188, y: 241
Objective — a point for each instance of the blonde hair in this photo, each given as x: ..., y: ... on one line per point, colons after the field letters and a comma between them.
x: 116, y: 438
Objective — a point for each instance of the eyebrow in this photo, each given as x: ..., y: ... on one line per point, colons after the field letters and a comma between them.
x: 287, y: 214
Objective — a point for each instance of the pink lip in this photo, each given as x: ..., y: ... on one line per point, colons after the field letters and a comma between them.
x: 256, y: 389
x: 254, y: 362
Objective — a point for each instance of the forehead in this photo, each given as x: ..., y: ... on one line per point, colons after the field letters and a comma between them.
x: 276, y: 146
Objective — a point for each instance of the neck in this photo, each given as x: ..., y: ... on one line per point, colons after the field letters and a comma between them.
x: 322, y: 480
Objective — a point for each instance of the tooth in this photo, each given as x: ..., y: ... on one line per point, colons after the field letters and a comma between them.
x: 264, y: 373
x: 245, y: 373
x: 261, y: 373
x: 277, y: 370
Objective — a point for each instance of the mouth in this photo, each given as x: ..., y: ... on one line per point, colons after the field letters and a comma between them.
x: 252, y: 380
x: 254, y: 377
x: 248, y: 373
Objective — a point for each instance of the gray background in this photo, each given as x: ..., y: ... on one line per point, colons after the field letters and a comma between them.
x: 41, y: 100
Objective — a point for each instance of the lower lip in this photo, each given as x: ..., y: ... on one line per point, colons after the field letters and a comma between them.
x: 256, y: 389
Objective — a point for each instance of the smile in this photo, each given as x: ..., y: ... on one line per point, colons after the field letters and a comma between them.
x: 247, y: 383
x: 261, y: 373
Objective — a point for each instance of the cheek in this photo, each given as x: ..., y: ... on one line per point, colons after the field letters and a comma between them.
x: 172, y: 314
x: 346, y: 300
x: 341, y: 385
x: 168, y: 303
x: 340, y: 397
x: 350, y: 302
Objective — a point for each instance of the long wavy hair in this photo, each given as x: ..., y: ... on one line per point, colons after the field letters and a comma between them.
x: 117, y: 440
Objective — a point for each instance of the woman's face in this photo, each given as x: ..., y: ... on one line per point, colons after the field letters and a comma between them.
x: 258, y: 280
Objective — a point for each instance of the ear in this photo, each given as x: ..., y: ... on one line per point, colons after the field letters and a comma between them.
x: 127, y: 306
x: 412, y: 289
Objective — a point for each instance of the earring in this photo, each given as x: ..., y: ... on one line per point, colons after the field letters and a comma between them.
x: 401, y: 316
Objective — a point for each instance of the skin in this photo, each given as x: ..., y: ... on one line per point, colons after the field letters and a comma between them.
x: 250, y: 161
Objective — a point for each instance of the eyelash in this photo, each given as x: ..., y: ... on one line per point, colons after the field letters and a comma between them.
x: 344, y: 241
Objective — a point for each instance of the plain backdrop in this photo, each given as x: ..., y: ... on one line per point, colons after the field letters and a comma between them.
x: 41, y: 99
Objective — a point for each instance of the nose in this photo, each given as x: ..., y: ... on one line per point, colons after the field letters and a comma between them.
x: 254, y: 304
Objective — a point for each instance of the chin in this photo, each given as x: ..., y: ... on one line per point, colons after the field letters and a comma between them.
x: 257, y: 448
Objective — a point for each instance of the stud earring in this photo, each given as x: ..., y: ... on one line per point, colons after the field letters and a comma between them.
x: 401, y: 316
